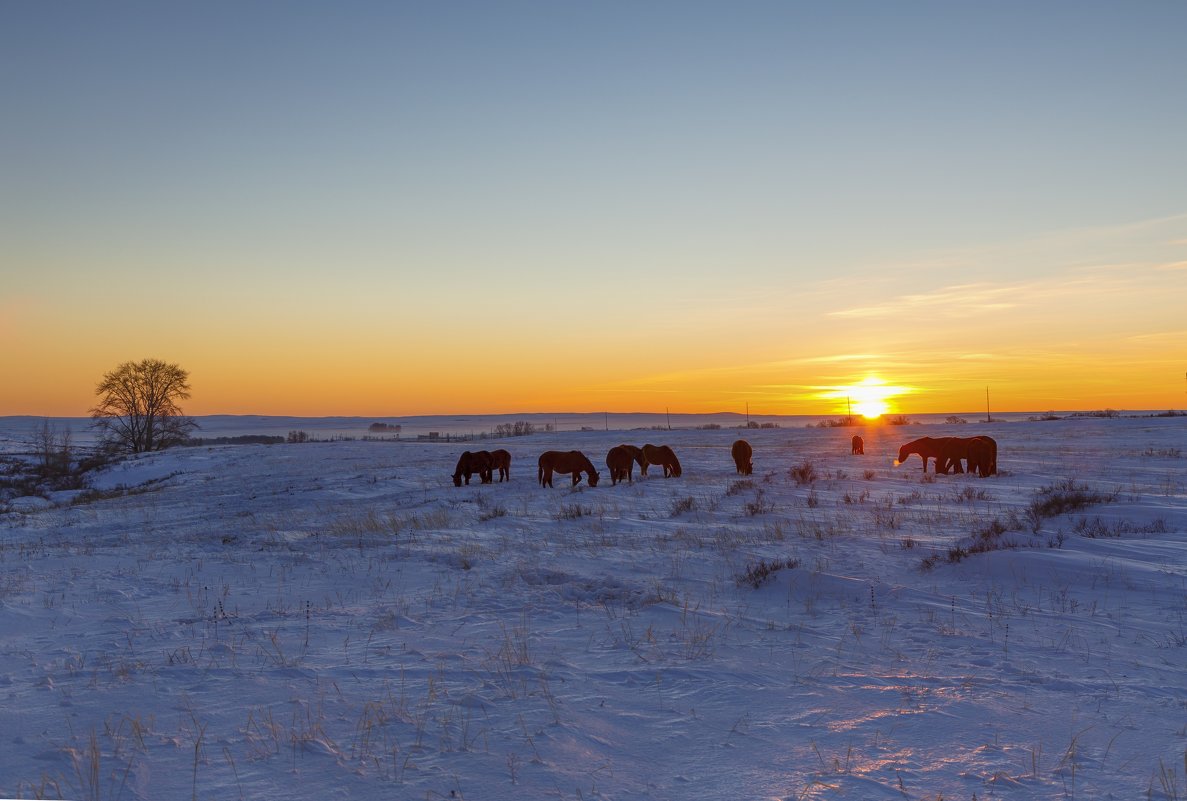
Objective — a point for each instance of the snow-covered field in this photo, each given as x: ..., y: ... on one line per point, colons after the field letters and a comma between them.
x: 337, y: 620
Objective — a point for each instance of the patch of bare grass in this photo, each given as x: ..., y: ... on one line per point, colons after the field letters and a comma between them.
x: 762, y: 571
x: 803, y: 473
x: 1058, y: 499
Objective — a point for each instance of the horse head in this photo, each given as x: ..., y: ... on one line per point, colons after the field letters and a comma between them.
x: 904, y: 452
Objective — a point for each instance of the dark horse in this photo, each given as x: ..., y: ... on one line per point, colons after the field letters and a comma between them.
x: 501, y: 460
x: 472, y: 462
x: 926, y: 447
x: 742, y: 453
x: 953, y: 451
x: 663, y: 456
x: 983, y: 456
x: 621, y: 462
x: 980, y: 452
x: 859, y: 446
x: 574, y: 462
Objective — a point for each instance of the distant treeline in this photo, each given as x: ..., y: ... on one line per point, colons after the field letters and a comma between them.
x: 1108, y: 414
x: 245, y: 439
x: 520, y: 428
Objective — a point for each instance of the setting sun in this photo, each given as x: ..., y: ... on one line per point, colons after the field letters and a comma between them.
x: 869, y: 397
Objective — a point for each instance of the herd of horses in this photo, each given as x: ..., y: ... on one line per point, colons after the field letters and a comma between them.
x: 978, y: 453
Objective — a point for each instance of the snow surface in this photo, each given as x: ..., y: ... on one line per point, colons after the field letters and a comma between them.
x: 337, y: 620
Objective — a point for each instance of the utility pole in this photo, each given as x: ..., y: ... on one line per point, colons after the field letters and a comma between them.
x: 747, y: 414
x: 988, y: 419
x: 669, y: 416
x: 849, y: 401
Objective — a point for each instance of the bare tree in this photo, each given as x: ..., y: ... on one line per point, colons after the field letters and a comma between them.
x: 53, y: 449
x: 137, y: 409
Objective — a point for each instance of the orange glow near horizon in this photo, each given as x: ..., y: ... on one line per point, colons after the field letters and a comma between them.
x: 823, y: 353
x: 320, y: 385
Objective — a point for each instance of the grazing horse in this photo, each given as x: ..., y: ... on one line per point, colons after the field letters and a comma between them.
x: 663, y: 456
x: 952, y: 451
x: 983, y: 456
x: 980, y: 452
x: 501, y: 461
x: 574, y: 462
x: 926, y: 447
x: 621, y: 464
x: 859, y: 446
x: 636, y: 454
x: 472, y: 462
x: 623, y: 456
x: 742, y: 452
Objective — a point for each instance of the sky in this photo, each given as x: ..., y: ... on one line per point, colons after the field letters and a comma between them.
x: 399, y: 208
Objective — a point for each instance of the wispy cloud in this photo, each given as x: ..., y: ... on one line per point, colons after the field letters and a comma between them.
x: 961, y: 301
x: 838, y: 358
x: 952, y: 301
x: 1159, y: 336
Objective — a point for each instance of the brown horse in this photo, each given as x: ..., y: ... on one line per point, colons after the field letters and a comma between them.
x: 979, y: 452
x: 742, y: 453
x: 472, y: 462
x: 621, y: 464
x: 574, y: 462
x: 636, y: 454
x: 983, y: 456
x: 501, y: 461
x: 953, y: 450
x: 664, y: 456
x: 926, y: 447
x: 859, y: 446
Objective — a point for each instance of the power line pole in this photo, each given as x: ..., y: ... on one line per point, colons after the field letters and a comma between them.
x: 988, y: 419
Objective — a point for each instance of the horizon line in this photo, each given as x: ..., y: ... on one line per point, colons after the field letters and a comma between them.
x: 604, y: 413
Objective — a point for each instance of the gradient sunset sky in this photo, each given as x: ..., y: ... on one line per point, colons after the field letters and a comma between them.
x: 400, y: 208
